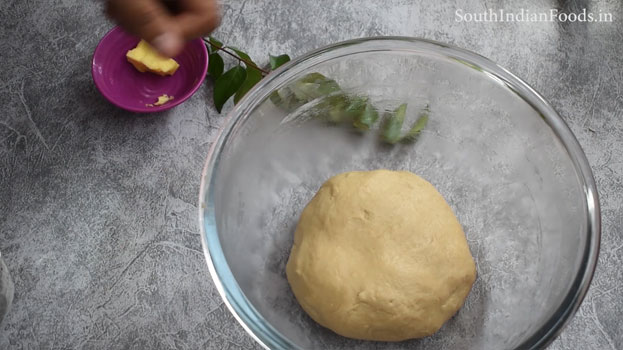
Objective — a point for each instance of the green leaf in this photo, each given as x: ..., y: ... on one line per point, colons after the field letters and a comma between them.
x: 241, y: 53
x: 253, y: 77
x: 305, y: 91
x: 227, y: 85
x: 278, y: 61
x: 364, y: 121
x: 393, y: 124
x: 285, y: 99
x: 246, y: 57
x: 313, y: 86
x: 216, y: 65
x: 417, y: 127
x: 307, y: 88
x: 214, y: 41
x: 276, y: 99
x: 356, y: 106
x: 336, y: 107
x: 314, y: 77
x: 328, y: 87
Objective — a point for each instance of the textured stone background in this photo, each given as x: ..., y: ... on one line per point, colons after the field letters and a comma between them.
x: 98, y: 209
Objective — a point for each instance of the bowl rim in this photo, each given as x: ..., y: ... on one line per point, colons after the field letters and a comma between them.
x: 252, y: 321
x: 175, y: 102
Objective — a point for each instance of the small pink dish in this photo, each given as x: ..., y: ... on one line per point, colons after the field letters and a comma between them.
x: 127, y: 88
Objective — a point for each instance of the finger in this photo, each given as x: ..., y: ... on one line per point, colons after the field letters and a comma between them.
x: 198, y: 17
x: 149, y: 20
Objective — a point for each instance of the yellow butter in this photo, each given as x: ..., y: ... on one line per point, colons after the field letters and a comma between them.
x: 161, y: 100
x: 146, y: 59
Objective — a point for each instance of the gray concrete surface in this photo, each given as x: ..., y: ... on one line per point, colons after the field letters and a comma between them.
x: 98, y: 206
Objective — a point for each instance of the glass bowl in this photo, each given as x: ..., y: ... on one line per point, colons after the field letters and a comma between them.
x: 507, y: 164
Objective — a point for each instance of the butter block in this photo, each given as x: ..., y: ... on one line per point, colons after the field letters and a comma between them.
x: 146, y: 59
x: 161, y: 100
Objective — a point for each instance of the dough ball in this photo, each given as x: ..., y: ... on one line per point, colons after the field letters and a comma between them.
x: 379, y: 255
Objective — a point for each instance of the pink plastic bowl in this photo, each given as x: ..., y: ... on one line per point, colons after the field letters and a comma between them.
x: 127, y: 88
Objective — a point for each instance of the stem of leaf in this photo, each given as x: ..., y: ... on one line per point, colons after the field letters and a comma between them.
x: 240, y: 59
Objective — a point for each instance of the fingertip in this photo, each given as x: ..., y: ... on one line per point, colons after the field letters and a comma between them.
x: 168, y: 44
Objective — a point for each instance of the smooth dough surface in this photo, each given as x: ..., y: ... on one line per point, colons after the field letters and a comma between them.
x: 379, y: 255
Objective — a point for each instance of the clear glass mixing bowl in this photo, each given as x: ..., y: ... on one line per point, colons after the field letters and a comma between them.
x: 504, y: 160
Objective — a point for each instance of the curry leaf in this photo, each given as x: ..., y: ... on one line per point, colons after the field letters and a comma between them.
x: 313, y: 86
x: 246, y: 59
x: 393, y: 124
x: 284, y: 98
x: 417, y: 127
x: 314, y: 77
x: 227, y: 85
x: 367, y: 118
x: 278, y: 61
x: 276, y: 99
x: 216, y: 42
x: 215, y: 65
x: 336, y: 106
x: 356, y: 106
x: 241, y: 53
x: 253, y: 77
x: 329, y: 86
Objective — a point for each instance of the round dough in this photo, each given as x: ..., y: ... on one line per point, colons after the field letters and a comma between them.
x: 379, y: 255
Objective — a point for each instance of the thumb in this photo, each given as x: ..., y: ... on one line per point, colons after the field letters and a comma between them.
x: 149, y: 20
x: 169, y: 42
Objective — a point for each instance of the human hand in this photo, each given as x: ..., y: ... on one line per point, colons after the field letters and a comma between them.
x: 167, y: 31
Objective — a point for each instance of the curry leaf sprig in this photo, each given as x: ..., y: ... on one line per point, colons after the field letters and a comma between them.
x: 238, y: 80
x: 332, y: 104
x: 338, y: 107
